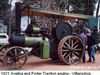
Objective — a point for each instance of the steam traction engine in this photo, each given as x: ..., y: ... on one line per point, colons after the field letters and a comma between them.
x: 62, y: 44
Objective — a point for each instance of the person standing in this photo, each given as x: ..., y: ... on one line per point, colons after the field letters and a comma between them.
x: 91, y: 44
x: 84, y: 40
x: 92, y: 53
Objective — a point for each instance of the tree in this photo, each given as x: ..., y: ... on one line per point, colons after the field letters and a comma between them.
x: 3, y: 6
x: 79, y: 6
x: 83, y: 6
x: 89, y: 7
x: 98, y: 7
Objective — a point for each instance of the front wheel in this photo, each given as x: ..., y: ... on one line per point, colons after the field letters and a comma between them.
x: 15, y: 57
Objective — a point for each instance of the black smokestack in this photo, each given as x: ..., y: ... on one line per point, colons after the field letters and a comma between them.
x: 17, y: 17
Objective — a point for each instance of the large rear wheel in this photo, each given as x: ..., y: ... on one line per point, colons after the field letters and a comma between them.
x: 70, y: 49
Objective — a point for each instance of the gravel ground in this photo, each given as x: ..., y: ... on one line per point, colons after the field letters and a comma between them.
x: 35, y: 63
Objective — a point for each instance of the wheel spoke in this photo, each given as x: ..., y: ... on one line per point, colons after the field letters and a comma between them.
x: 21, y: 56
x: 69, y: 59
x: 75, y: 42
x: 65, y: 51
x: 75, y: 46
x: 67, y: 44
x: 15, y: 52
x: 76, y: 54
x: 78, y: 49
x: 64, y: 54
x: 72, y: 44
x: 64, y: 48
x: 72, y: 59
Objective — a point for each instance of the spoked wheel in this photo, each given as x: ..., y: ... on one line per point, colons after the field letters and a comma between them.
x: 3, y: 50
x: 70, y: 50
x: 15, y: 57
